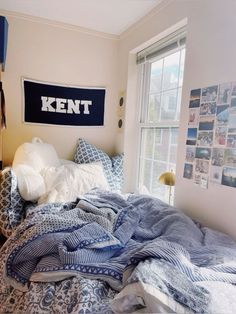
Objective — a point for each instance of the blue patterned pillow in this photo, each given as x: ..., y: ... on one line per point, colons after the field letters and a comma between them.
x: 113, y: 167
x: 11, y: 203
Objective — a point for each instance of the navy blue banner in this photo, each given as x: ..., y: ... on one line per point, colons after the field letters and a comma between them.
x: 63, y: 105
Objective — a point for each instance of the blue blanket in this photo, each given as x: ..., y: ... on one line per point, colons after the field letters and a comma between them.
x: 105, y: 236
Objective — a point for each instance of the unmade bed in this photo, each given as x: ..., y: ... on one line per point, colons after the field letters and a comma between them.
x: 105, y: 252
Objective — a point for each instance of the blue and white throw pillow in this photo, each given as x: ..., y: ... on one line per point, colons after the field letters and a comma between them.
x: 113, y: 167
x: 11, y: 202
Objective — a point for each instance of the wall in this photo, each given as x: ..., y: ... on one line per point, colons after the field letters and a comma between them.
x: 40, y: 49
x: 210, y: 59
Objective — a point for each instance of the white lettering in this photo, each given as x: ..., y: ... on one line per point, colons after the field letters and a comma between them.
x: 86, y: 104
x: 47, y: 104
x: 73, y: 106
x: 61, y: 105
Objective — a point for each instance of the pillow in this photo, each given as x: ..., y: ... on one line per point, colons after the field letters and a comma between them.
x: 37, y: 155
x: 30, y: 183
x: 113, y: 167
x: 67, y: 182
x: 11, y: 203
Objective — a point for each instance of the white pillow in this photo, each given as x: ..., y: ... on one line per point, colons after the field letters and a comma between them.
x: 69, y: 181
x: 30, y: 183
x: 36, y: 155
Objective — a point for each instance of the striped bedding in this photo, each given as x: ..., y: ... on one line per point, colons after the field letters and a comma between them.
x: 119, y: 242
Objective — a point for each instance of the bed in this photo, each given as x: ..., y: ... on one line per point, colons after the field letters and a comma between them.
x: 84, y: 247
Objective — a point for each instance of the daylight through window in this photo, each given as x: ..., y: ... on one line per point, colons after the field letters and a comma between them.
x: 161, y: 70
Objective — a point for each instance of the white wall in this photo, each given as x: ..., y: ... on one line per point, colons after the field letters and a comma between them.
x: 50, y: 52
x: 210, y: 59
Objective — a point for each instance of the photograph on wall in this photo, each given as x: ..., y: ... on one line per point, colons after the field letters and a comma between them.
x: 217, y: 158
x: 229, y: 177
x: 222, y: 114
x: 188, y: 171
x: 206, y: 123
x: 233, y: 89
x: 220, y: 136
x: 190, y: 153
x: 209, y: 93
x: 204, y: 182
x: 216, y: 174
x: 197, y: 178
x: 233, y: 102
x: 193, y: 119
x: 224, y: 93
x: 205, y: 138
x: 208, y: 108
x: 232, y: 123
x: 230, y: 157
x: 195, y: 96
x: 202, y: 166
x: 203, y: 153
x: 57, y: 104
x: 192, y: 136
x: 231, y: 141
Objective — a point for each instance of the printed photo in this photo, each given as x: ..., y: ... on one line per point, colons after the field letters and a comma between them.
x: 188, y: 171
x: 209, y: 93
x: 232, y: 121
x: 192, y: 136
x: 230, y: 158
x: 233, y: 93
x: 224, y: 93
x: 208, y: 108
x: 222, y: 114
x: 190, y: 154
x: 202, y: 166
x: 197, y: 178
x: 191, y: 142
x: 229, y: 177
x: 217, y: 158
x: 216, y: 174
x: 231, y: 141
x: 195, y: 95
x: 205, y: 138
x: 233, y: 102
x: 193, y: 119
x: 204, y: 182
x: 206, y: 123
x: 220, y: 136
x: 203, y: 153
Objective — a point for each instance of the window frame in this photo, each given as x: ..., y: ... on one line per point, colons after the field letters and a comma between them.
x: 144, y: 77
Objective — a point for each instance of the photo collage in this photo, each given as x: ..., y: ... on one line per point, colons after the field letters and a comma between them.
x: 211, y: 136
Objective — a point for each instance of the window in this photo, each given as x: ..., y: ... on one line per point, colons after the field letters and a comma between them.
x: 161, y: 68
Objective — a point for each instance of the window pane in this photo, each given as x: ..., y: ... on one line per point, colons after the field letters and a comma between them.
x: 145, y: 173
x: 161, y: 144
x: 169, y: 105
x: 147, y: 139
x: 157, y: 188
x: 156, y: 76
x: 164, y: 143
x: 171, y: 71
x: 154, y: 108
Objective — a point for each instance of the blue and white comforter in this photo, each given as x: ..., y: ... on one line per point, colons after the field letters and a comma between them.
x: 104, y: 238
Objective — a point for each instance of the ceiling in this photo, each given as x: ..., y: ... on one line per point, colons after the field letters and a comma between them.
x: 108, y: 16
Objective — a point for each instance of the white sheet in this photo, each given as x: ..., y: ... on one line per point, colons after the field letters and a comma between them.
x: 67, y: 182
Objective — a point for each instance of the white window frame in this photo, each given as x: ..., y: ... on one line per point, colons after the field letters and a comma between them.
x: 144, y: 75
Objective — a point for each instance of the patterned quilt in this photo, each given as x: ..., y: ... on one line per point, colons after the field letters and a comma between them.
x: 75, y: 256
